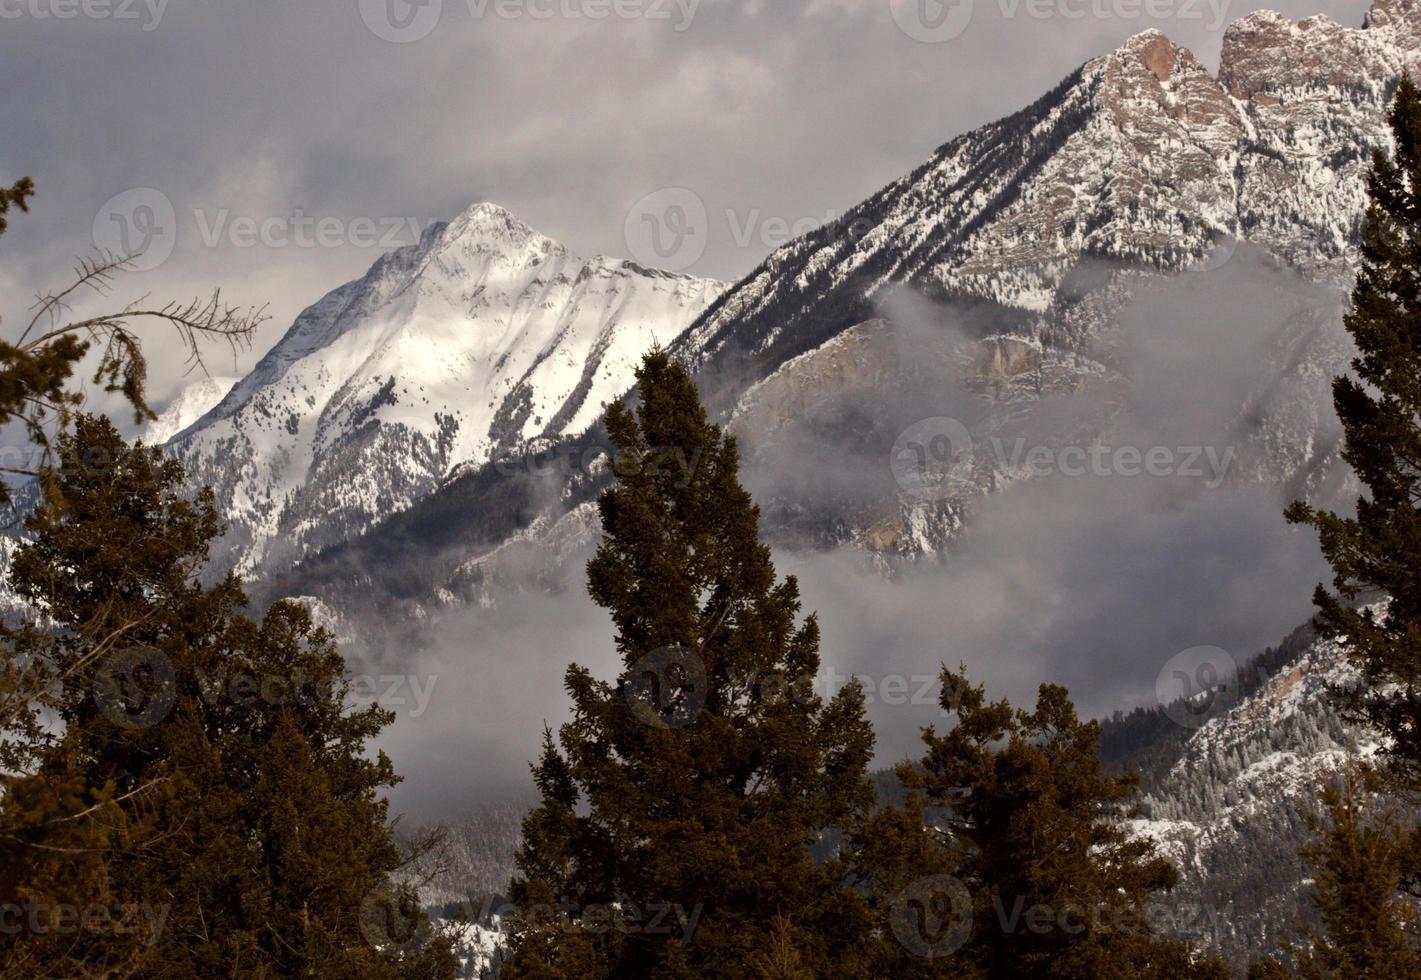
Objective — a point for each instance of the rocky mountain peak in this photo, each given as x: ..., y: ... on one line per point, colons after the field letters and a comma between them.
x: 489, y: 227
x: 1159, y: 55
x: 481, y: 339
x: 1267, y: 58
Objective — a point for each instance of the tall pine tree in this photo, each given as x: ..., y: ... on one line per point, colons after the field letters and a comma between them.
x: 681, y: 803
x: 1377, y: 555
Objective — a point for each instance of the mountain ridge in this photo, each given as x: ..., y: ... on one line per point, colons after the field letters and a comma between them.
x: 1037, y: 231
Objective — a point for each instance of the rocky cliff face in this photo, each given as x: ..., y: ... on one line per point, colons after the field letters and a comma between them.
x: 1140, y: 157
x: 483, y: 338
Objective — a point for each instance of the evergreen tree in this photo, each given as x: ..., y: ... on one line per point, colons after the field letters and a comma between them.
x: 1376, y: 555
x: 206, y: 777
x: 1368, y: 928
x: 1038, y: 876
x: 697, y: 783
x: 16, y: 195
x: 906, y: 863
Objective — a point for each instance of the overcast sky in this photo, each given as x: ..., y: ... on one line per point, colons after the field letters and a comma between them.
x: 246, y: 114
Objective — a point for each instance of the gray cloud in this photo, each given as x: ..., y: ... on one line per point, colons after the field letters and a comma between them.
x: 498, y: 678
x: 1089, y: 579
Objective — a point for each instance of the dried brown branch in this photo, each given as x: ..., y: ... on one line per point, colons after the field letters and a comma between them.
x: 35, y: 370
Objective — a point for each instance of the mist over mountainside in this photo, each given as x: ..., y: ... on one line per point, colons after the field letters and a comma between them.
x: 1229, y: 779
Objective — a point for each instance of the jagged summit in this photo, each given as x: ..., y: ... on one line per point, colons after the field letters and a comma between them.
x: 492, y: 226
x: 1140, y: 156
x: 484, y: 337
x: 1267, y: 55
x: 489, y: 213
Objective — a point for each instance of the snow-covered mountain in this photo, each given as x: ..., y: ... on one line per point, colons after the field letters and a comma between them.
x: 1140, y: 156
x: 483, y: 338
x: 1035, y: 236
x: 1037, y: 233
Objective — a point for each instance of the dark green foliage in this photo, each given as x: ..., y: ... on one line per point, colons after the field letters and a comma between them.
x: 206, y: 767
x: 699, y: 781
x: 1377, y: 554
x: 1363, y: 859
x: 16, y: 195
x: 1367, y: 928
x: 1015, y: 808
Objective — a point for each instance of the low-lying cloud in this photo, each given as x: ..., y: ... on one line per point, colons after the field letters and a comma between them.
x: 1091, y: 578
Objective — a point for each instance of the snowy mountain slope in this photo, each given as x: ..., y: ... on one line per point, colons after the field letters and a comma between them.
x: 1231, y: 811
x: 1045, y: 226
x: 191, y: 403
x: 483, y: 338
